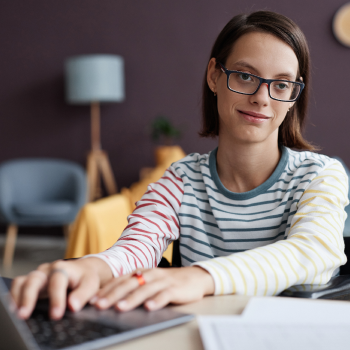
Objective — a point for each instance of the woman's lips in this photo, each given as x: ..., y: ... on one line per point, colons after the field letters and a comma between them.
x: 254, y: 117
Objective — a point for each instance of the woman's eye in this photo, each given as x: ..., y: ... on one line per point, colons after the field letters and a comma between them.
x: 245, y: 77
x: 281, y: 86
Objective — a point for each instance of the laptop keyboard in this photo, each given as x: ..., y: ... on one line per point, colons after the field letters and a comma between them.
x: 67, y: 332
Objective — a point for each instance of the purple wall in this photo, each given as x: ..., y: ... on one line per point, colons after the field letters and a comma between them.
x: 166, y: 46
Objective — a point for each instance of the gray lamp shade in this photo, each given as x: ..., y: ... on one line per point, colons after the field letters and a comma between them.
x: 94, y: 78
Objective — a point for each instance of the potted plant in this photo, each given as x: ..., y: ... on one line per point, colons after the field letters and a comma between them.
x: 163, y: 130
x: 164, y: 133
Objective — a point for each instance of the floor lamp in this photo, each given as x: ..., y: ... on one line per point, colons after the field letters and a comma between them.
x: 94, y: 79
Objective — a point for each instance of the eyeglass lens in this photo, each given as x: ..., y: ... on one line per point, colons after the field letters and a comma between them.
x: 248, y: 84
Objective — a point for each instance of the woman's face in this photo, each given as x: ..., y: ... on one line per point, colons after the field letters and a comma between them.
x: 253, y: 118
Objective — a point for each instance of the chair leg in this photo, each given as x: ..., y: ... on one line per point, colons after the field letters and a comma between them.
x: 11, y: 237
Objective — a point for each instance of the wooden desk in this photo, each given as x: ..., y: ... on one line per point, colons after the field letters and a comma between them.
x: 186, y: 336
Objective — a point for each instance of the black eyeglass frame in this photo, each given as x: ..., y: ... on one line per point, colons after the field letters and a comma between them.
x: 262, y: 81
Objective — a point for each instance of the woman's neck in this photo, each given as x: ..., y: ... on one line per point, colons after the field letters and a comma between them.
x: 243, y: 167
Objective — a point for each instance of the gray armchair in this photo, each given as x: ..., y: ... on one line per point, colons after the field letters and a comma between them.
x: 39, y: 192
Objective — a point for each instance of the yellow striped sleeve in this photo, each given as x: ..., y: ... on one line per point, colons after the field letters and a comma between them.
x: 311, y: 251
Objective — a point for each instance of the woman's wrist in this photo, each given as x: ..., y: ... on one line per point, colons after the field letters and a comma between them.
x: 98, y: 266
x: 206, y: 279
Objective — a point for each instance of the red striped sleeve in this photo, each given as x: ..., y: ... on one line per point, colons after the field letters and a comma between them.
x: 154, y: 223
x: 127, y: 258
x: 138, y: 248
x: 139, y: 230
x: 176, y: 177
x: 132, y: 224
x: 112, y: 263
x: 168, y: 226
x: 175, y: 222
x: 172, y: 194
x: 162, y: 195
x: 152, y: 200
x: 136, y: 240
x: 150, y: 221
x: 144, y: 205
x: 133, y: 254
x: 178, y: 187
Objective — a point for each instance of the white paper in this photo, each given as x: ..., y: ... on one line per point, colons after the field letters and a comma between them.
x: 280, y: 323
x: 229, y: 333
x: 294, y: 310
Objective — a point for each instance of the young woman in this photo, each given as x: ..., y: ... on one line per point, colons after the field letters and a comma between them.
x: 253, y: 216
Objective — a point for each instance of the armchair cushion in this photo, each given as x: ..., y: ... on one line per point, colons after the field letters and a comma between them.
x: 43, y: 209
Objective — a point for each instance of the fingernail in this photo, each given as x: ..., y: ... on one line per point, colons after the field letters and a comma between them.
x: 102, y: 303
x: 93, y: 300
x: 75, y: 304
x: 56, y: 312
x: 122, y: 304
x: 150, y: 304
x: 22, y: 312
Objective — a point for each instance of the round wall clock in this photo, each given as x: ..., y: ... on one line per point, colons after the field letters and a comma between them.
x: 341, y: 25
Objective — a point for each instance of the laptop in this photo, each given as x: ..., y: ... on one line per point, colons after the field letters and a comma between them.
x: 87, y: 329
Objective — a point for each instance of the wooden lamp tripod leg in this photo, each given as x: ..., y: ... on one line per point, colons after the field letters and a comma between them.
x: 93, y: 176
x: 107, y: 173
x: 98, y: 162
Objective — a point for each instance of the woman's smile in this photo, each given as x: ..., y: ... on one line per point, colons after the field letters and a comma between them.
x: 254, y: 117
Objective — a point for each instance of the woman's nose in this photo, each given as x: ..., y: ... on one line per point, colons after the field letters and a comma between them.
x: 262, y: 95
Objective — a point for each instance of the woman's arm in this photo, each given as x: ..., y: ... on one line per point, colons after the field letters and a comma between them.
x: 313, y: 249
x: 152, y: 227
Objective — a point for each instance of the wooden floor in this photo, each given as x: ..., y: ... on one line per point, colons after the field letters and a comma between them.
x: 31, y: 251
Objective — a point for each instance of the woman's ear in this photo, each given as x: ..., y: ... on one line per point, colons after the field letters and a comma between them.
x: 292, y: 104
x: 212, y: 75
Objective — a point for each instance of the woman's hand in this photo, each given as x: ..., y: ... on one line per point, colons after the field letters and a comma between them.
x: 84, y: 277
x: 163, y: 286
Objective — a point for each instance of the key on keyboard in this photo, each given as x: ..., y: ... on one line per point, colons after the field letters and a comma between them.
x: 51, y: 334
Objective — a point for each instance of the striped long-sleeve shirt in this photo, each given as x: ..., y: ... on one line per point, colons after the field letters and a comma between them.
x: 286, y: 231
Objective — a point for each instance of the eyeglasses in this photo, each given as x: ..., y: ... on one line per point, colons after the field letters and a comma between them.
x: 249, y: 84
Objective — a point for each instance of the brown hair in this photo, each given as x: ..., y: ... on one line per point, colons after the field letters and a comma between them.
x: 289, y: 133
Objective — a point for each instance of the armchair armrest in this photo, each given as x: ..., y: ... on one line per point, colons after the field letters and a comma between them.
x: 338, y: 288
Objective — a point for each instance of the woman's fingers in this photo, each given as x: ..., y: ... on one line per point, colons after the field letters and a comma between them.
x: 83, y: 276
x: 112, y: 284
x: 140, y: 295
x: 16, y: 289
x: 177, y: 286
x: 119, y: 288
x: 160, y: 300
x: 79, y: 277
x: 115, y: 291
x: 87, y: 288
x: 57, y: 290
x: 29, y: 291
